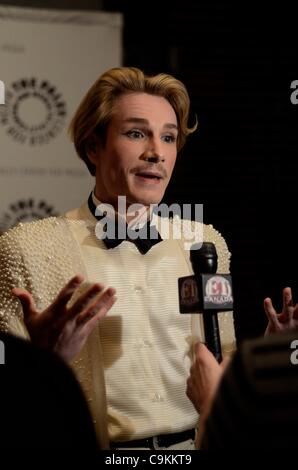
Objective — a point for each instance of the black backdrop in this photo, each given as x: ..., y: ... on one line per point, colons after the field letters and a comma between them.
x: 238, y: 61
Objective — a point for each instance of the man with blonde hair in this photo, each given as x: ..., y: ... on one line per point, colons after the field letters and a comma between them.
x: 134, y: 362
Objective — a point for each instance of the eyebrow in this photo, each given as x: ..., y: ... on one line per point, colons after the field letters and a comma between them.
x: 137, y: 120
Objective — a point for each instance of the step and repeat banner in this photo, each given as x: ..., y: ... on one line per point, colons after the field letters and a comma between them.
x: 48, y: 60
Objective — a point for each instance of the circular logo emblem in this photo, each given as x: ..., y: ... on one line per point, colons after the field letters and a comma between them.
x: 25, y: 210
x: 218, y: 285
x: 34, y: 111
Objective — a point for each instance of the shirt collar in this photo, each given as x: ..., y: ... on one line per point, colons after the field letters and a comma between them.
x: 143, y: 234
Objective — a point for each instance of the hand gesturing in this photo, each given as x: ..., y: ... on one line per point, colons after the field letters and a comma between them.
x: 287, y: 319
x: 61, y: 328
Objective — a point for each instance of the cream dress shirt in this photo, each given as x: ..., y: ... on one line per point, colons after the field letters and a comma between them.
x: 146, y: 342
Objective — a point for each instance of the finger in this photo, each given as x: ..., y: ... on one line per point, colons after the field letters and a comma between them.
x: 199, y: 347
x: 270, y: 312
x: 287, y: 303
x: 86, y: 298
x: 196, y: 347
x: 27, y: 301
x: 65, y: 294
x: 91, y: 324
x: 97, y: 309
x: 204, y: 356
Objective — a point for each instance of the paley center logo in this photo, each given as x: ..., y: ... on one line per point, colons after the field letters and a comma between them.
x: 137, y: 221
x: 34, y: 111
x: 25, y: 210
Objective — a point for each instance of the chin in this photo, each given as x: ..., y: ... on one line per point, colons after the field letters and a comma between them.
x: 146, y: 199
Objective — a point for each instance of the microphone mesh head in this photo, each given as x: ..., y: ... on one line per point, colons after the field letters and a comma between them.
x: 204, y: 260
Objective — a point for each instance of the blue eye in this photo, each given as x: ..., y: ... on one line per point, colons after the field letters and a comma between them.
x: 134, y: 134
x: 169, y: 138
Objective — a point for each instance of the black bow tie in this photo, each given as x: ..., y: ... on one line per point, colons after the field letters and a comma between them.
x: 144, y: 239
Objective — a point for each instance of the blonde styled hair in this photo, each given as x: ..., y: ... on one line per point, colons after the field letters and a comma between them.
x: 96, y: 109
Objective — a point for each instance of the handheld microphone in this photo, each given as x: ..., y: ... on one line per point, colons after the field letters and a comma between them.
x: 207, y: 292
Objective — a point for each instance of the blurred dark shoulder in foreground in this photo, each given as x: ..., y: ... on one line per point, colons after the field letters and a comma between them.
x: 42, y: 405
x: 256, y: 404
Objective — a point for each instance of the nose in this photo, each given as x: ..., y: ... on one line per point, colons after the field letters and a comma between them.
x: 153, y: 152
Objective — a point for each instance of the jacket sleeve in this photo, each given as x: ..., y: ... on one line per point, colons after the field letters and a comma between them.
x: 12, y: 274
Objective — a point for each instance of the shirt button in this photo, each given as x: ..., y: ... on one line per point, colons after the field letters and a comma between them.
x: 156, y: 397
x: 138, y: 289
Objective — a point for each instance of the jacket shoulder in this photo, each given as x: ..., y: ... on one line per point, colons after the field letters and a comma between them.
x: 192, y: 232
x: 22, y: 230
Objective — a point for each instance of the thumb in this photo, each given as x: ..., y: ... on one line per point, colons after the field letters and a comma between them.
x: 27, y: 301
x: 225, y: 362
x: 201, y: 350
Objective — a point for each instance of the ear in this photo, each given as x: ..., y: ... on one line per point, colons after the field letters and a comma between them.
x: 92, y: 148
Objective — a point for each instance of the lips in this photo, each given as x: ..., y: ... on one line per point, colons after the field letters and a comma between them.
x: 149, y: 174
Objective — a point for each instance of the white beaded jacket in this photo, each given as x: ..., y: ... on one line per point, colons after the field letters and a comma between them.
x: 42, y: 256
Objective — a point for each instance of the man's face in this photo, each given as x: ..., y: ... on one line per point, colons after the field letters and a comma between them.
x: 140, y: 151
